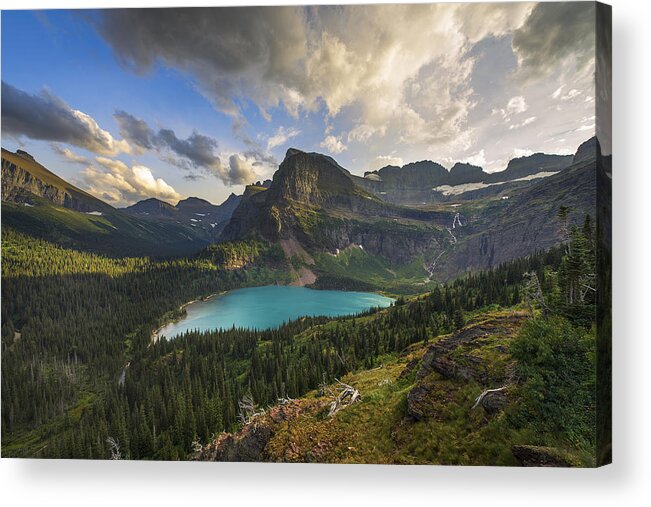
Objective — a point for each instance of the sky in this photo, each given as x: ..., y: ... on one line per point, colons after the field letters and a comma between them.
x: 171, y: 103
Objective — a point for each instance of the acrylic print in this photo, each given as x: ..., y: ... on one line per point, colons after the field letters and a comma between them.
x: 332, y: 234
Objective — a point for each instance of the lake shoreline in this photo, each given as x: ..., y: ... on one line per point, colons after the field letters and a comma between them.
x: 153, y: 338
x: 357, y: 303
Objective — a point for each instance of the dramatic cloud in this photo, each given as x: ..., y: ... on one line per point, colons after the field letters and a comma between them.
x: 69, y: 155
x: 407, y: 68
x: 120, y: 184
x: 281, y: 136
x: 135, y: 130
x: 556, y: 33
x: 197, y: 151
x: 46, y: 117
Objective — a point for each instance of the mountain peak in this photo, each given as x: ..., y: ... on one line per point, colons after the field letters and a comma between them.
x: 587, y: 150
x: 152, y: 206
x: 292, y: 151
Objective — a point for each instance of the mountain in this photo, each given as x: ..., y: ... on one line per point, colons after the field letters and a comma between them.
x: 37, y: 202
x: 321, y: 215
x: 313, y: 206
x: 522, y: 167
x: 461, y: 173
x: 204, y: 218
x: 427, y: 182
x: 524, y: 223
x: 152, y: 207
x: 23, y: 176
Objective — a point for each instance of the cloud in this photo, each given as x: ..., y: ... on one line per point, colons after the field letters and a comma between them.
x: 516, y: 105
x: 519, y: 152
x: 46, y: 117
x: 556, y: 33
x: 135, y: 130
x: 384, y: 160
x: 333, y: 144
x: 120, y: 184
x: 68, y: 154
x: 197, y: 151
x: 362, y: 133
x: 281, y: 136
x: 405, y: 74
x: 523, y: 123
x: 240, y: 170
x: 478, y: 159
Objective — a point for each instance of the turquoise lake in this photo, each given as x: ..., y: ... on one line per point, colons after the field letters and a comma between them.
x: 269, y: 307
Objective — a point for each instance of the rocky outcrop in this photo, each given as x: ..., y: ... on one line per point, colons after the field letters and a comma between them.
x: 494, y: 401
x: 250, y: 442
x: 467, y: 356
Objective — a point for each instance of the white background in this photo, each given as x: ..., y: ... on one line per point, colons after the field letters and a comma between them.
x: 626, y: 482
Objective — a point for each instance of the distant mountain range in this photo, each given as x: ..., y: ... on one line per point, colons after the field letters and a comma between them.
x: 205, y: 218
x: 419, y: 222
x: 424, y: 182
x: 38, y: 202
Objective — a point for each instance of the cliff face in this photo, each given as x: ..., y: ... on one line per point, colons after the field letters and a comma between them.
x: 22, y: 175
x: 523, y: 224
x: 315, y: 202
x: 17, y: 182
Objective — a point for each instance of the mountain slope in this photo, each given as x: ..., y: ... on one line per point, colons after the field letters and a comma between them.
x: 316, y: 210
x: 417, y: 407
x: 204, y: 219
x: 525, y: 223
x: 37, y: 202
x: 21, y: 173
x: 313, y: 205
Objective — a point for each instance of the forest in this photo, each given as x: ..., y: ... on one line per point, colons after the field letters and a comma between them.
x: 82, y: 377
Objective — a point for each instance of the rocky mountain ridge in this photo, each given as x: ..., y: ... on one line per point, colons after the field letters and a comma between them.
x: 22, y: 176
x: 420, y: 183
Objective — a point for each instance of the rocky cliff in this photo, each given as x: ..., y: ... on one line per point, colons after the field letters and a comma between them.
x: 314, y: 202
x: 22, y: 176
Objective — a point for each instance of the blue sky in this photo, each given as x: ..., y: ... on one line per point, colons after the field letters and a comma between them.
x: 168, y: 104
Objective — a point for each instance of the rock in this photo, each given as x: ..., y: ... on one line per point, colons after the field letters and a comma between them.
x: 409, y: 368
x: 250, y: 442
x: 427, y: 400
x: 494, y: 401
x: 537, y: 456
x: 416, y: 400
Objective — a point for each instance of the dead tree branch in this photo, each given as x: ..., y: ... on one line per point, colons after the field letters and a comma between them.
x: 479, y: 398
x: 346, y: 397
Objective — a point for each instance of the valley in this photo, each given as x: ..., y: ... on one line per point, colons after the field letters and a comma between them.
x: 465, y: 279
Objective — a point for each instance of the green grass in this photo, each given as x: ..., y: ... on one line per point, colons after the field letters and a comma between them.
x: 355, y: 268
x: 375, y: 430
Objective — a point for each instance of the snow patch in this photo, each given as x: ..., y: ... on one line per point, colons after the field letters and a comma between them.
x: 468, y: 187
x: 95, y: 213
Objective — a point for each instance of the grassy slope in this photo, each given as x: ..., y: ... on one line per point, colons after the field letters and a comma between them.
x: 378, y: 430
x: 355, y: 268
